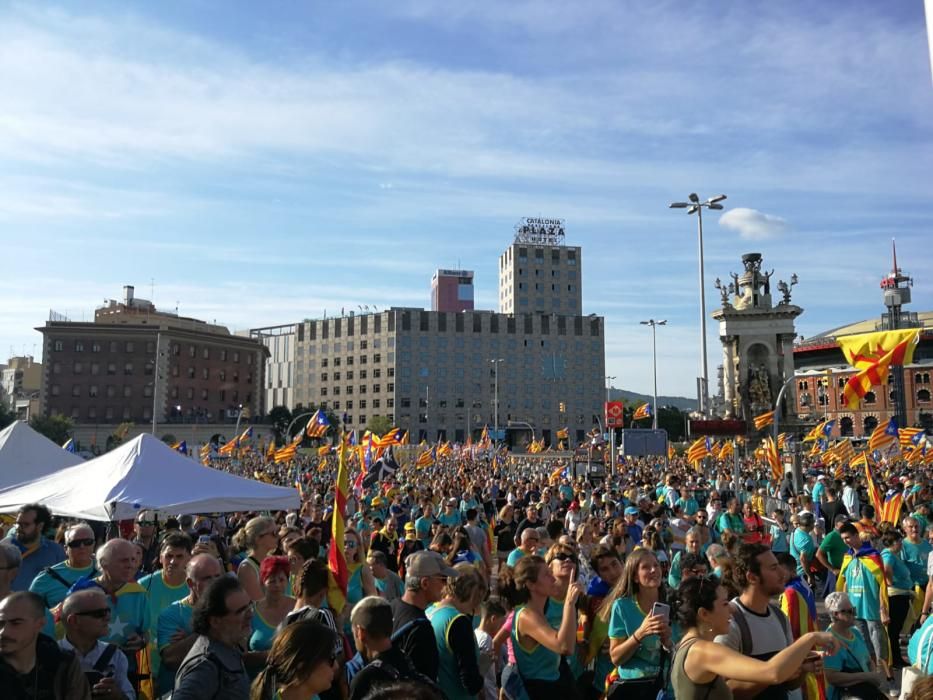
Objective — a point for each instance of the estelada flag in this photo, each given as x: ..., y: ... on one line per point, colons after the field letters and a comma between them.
x: 873, y: 354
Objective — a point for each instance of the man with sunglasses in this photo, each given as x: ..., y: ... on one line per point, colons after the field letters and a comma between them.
x: 36, y: 551
x: 53, y: 583
x: 144, y: 535
x: 86, y: 618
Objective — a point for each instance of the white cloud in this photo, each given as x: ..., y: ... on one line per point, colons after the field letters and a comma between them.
x: 753, y: 225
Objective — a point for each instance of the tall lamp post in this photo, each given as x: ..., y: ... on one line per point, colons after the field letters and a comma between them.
x: 695, y: 206
x: 654, y: 355
x: 495, y: 398
x: 612, y: 431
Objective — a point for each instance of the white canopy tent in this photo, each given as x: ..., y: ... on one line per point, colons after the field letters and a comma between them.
x: 145, y: 473
x: 26, y: 455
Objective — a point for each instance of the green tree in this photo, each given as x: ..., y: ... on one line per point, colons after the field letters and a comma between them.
x: 279, y: 417
x: 7, y: 416
x: 671, y: 419
x: 56, y: 427
x: 379, y: 425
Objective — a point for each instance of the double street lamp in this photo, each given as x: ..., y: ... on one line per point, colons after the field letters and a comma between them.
x: 695, y: 206
x: 654, y: 355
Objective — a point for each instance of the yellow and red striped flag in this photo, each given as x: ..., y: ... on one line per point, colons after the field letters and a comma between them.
x: 910, y: 437
x: 698, y: 451
x: 764, y: 420
x: 338, y: 573
x: 727, y: 451
x: 883, y: 436
x: 774, y: 459
x: 874, y: 494
x: 873, y: 355
x: 671, y: 452
x: 318, y: 425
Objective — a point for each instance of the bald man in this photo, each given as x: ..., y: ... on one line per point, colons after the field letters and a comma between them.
x: 86, y: 618
x: 175, y: 635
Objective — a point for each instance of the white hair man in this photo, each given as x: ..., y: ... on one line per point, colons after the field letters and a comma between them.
x: 53, y: 582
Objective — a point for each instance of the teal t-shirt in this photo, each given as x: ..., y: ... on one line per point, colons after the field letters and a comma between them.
x: 920, y: 647
x: 730, y: 521
x: 451, y: 519
x: 53, y: 591
x: 863, y: 591
x: 802, y: 543
x: 160, y: 595
x: 853, y: 655
x: 536, y: 662
x: 689, y: 505
x: 901, y: 577
x: 262, y: 635
x: 779, y: 541
x: 175, y: 617
x: 514, y: 556
x: 423, y: 530
x: 818, y: 491
x: 916, y: 557
x: 448, y: 676
x: 626, y: 617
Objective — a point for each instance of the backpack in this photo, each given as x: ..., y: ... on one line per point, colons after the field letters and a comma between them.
x: 738, y: 615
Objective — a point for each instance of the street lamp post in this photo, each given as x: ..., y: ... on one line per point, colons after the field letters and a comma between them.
x: 612, y: 431
x: 495, y: 399
x: 695, y: 206
x: 654, y: 355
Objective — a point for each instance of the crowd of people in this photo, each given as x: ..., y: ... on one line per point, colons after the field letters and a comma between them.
x: 485, y: 579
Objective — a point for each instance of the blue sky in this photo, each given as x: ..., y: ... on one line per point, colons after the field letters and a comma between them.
x: 265, y: 162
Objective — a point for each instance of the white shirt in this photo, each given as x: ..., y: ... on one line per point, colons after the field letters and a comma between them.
x: 116, y: 668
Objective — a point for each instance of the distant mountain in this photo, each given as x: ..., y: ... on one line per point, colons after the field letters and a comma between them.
x: 681, y: 402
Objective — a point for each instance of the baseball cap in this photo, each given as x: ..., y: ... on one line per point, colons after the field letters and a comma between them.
x: 631, y: 511
x: 428, y: 563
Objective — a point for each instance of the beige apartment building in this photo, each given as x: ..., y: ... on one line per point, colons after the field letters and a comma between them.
x: 438, y: 374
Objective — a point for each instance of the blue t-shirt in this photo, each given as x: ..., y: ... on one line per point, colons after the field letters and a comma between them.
x: 779, y: 541
x: 863, y: 590
x: 916, y: 557
x: 514, y: 556
x: 817, y: 493
x: 51, y: 589
x: 48, y: 553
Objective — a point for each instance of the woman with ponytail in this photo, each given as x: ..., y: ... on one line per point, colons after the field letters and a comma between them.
x: 300, y: 664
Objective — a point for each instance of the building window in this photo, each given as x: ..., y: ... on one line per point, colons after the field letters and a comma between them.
x: 92, y: 412
x: 175, y: 370
x: 349, y: 374
x: 76, y: 390
x: 376, y: 403
x: 147, y: 391
x: 377, y: 358
x: 191, y: 373
x: 390, y: 403
x: 174, y: 392
x: 126, y: 413
x: 109, y: 413
x: 111, y: 368
x: 336, y: 362
x: 58, y: 346
x: 92, y: 390
x: 206, y: 353
x: 349, y: 389
x: 127, y: 392
x: 56, y: 390
x: 203, y: 394
x: 148, y: 369
x: 336, y: 376
x: 95, y: 347
x: 236, y: 356
x: 114, y: 347
x: 868, y: 398
x: 323, y: 362
x: 923, y: 396
x: 190, y: 392
x: 130, y: 346
x: 324, y: 391
x: 95, y: 368
x: 79, y: 346
x: 205, y: 373
x: 405, y: 402
x: 111, y: 391
x: 192, y: 351
x: 78, y: 368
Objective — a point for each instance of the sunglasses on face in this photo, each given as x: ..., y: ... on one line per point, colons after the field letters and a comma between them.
x: 98, y: 614
x: 84, y: 542
x: 349, y: 544
x: 145, y: 523
x: 563, y: 556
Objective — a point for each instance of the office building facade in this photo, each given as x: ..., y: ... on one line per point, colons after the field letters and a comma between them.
x: 452, y: 290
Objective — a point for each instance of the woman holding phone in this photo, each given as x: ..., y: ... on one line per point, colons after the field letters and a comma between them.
x: 563, y: 562
x: 638, y: 631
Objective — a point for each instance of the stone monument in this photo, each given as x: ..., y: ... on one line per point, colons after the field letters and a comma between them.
x: 757, y: 341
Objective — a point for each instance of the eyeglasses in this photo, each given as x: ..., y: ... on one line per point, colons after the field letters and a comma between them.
x: 349, y: 544
x: 98, y: 614
x: 563, y: 556
x: 145, y: 523
x: 84, y: 542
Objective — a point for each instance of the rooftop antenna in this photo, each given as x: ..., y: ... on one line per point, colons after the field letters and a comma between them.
x: 176, y: 307
x: 894, y: 250
x: 152, y: 289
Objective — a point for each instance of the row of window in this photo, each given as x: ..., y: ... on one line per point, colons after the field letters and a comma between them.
x: 112, y: 391
x: 804, y: 384
x: 110, y: 413
x: 222, y: 374
x: 377, y: 373
x: 131, y: 346
x: 362, y: 403
x: 361, y: 389
x: 870, y: 398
